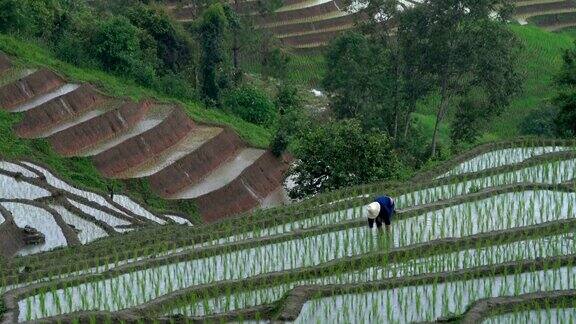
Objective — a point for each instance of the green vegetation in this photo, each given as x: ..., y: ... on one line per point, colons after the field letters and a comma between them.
x: 212, y: 29
x: 566, y: 100
x: 339, y: 154
x: 251, y: 104
x: 494, y: 222
x: 541, y: 61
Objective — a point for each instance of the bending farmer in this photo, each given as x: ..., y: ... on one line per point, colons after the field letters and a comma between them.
x: 381, y: 211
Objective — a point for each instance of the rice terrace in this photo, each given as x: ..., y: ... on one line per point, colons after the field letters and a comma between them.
x: 287, y: 161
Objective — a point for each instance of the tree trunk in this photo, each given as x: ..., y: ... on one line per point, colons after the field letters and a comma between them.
x: 440, y: 114
x: 439, y: 117
x: 407, y: 122
x: 235, y: 45
x: 396, y: 126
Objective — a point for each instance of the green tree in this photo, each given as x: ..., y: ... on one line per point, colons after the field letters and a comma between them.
x: 116, y: 44
x: 566, y: 118
x: 212, y: 32
x: 29, y: 17
x: 337, y: 154
x: 250, y: 104
x: 468, y: 50
x: 173, y: 45
x: 566, y: 99
x: 461, y: 46
x: 361, y: 80
x: 467, y: 123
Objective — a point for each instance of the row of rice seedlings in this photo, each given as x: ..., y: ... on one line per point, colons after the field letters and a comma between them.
x: 349, y: 214
x: 543, y: 247
x: 553, y: 173
x: 309, y: 251
x: 407, y: 200
x: 565, y: 312
x: 431, y: 301
x: 151, y: 251
x: 501, y: 157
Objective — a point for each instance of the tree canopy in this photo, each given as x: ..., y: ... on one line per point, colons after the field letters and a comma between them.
x: 341, y: 153
x: 447, y: 49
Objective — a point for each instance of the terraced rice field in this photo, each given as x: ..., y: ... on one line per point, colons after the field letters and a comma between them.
x: 311, y: 24
x: 31, y: 195
x: 487, y: 236
x: 180, y: 158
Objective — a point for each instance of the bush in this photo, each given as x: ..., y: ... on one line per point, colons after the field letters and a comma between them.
x: 29, y: 17
x: 540, y: 122
x: 172, y: 43
x: 565, y: 120
x: 275, y: 63
x: 116, y: 44
x: 176, y: 86
x: 279, y: 143
x: 340, y: 154
x: 287, y: 99
x: 250, y: 104
x: 468, y: 122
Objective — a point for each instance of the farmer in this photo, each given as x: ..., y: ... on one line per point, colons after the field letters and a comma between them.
x: 381, y: 211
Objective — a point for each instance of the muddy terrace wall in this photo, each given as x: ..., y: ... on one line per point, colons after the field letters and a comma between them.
x: 246, y: 191
x: 246, y: 6
x: 194, y: 166
x: 54, y: 112
x: 16, y: 93
x: 137, y: 150
x: 303, y: 13
x: 307, y: 39
x: 314, y: 25
x: 186, y: 10
x: 4, y: 63
x: 543, y: 7
x: 91, y: 132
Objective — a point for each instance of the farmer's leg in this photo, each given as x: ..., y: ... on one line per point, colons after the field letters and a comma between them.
x: 388, y: 221
x: 379, y: 223
x: 370, y: 223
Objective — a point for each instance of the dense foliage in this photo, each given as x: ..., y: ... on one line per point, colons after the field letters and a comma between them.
x: 251, y: 105
x: 127, y: 38
x: 442, y: 49
x: 566, y: 99
x: 341, y: 153
x: 212, y: 29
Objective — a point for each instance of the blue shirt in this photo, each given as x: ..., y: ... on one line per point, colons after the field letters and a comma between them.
x: 386, y: 206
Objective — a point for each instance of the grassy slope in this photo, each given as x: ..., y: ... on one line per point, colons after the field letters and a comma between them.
x: 80, y: 171
x: 541, y: 61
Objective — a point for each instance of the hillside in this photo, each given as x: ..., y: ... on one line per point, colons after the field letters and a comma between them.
x: 541, y: 60
x: 215, y: 160
x: 148, y: 150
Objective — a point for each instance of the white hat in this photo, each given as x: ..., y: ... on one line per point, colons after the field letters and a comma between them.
x: 373, y: 210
